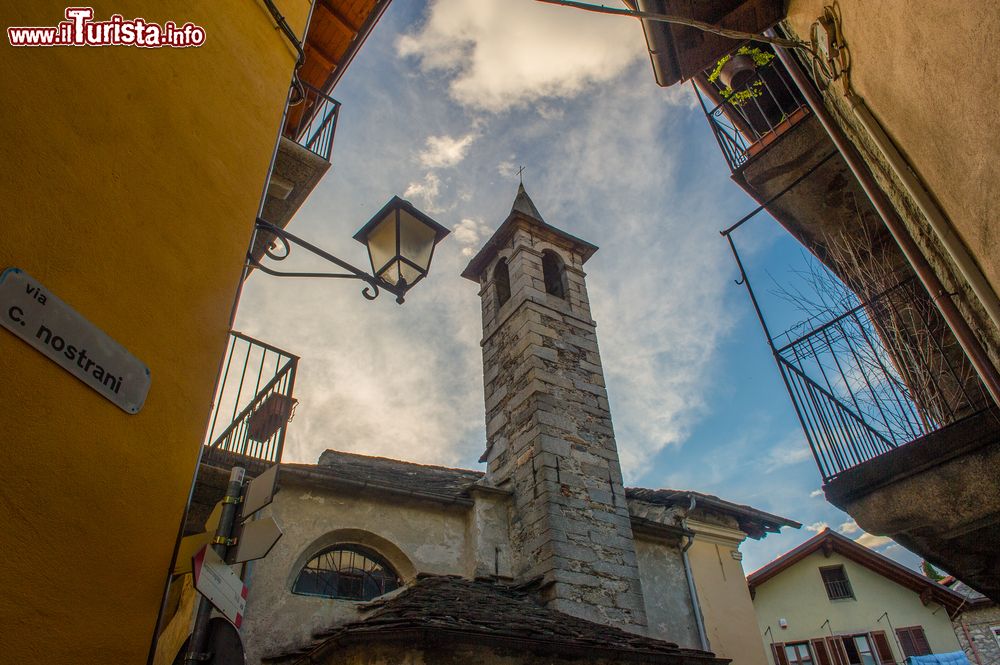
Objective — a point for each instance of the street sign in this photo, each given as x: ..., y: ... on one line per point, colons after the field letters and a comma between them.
x: 191, y: 544
x: 64, y: 336
x: 255, y: 540
x: 260, y: 493
x: 219, y: 584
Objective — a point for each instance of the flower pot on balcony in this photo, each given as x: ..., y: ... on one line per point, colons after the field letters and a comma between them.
x: 270, y: 416
x: 737, y: 72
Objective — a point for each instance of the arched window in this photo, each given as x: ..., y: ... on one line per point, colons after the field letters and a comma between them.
x: 350, y: 572
x: 501, y: 278
x: 554, y: 271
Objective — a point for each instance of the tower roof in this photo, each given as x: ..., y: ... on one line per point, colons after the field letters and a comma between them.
x: 523, y: 211
x: 524, y: 204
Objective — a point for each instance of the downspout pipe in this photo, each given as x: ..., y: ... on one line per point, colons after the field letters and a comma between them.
x: 963, y: 333
x: 696, y: 606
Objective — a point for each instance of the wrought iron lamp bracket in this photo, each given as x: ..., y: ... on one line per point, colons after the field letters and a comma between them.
x: 286, y: 240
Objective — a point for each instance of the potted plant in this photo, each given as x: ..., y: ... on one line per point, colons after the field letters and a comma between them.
x: 736, y: 74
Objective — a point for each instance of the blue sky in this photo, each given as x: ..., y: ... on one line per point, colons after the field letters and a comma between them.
x: 441, y: 105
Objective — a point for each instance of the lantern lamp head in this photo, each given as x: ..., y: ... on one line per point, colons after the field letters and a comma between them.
x: 400, y: 241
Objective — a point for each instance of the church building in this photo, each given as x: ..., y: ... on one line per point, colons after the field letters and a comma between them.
x: 546, y: 557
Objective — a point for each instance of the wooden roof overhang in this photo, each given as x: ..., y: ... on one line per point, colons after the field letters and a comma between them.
x: 337, y: 29
x: 679, y: 52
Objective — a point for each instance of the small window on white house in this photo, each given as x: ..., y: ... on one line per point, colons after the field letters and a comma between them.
x: 838, y: 587
x: 349, y: 572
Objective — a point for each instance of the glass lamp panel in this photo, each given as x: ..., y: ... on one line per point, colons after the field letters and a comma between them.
x: 416, y: 241
x: 410, y: 274
x: 382, y: 242
x: 391, y: 273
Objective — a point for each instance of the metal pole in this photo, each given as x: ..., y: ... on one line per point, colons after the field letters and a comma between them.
x: 223, y: 535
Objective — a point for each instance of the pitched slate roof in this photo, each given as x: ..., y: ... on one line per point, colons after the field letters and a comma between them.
x: 755, y: 523
x: 483, y: 612
x: 831, y: 541
x: 363, y: 471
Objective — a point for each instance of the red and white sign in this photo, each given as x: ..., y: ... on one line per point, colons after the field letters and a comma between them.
x: 219, y: 584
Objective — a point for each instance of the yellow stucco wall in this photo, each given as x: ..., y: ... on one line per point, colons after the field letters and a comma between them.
x: 725, y: 602
x: 924, y: 68
x: 797, y: 595
x: 129, y: 189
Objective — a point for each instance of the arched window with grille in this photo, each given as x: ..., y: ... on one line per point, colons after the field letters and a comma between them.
x: 501, y: 278
x: 348, y: 572
x: 554, y: 272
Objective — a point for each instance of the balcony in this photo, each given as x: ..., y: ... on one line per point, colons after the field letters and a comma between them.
x: 905, y: 436
x: 753, y: 115
x: 881, y: 374
x: 303, y: 158
x: 253, y: 405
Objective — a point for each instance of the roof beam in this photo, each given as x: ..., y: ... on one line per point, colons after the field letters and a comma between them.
x: 338, y: 16
x: 329, y: 63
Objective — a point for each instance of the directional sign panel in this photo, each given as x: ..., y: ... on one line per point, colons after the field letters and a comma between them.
x: 219, y: 584
x: 260, y: 493
x: 191, y: 544
x: 256, y: 540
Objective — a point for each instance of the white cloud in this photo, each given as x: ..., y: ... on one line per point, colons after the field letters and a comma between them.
x: 872, y: 541
x: 791, y: 449
x: 849, y: 527
x: 426, y: 191
x: 470, y: 234
x: 815, y: 494
x: 444, y: 151
x: 816, y: 527
x: 506, y: 53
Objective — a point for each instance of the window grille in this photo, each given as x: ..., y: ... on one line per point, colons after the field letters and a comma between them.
x: 348, y: 572
x: 838, y: 587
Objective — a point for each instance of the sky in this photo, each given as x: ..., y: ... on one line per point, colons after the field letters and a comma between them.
x: 441, y: 106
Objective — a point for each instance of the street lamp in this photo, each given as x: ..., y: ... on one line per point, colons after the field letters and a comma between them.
x: 400, y: 241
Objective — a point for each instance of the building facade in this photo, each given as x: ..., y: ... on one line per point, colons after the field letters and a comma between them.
x: 822, y: 113
x: 548, y: 525
x: 831, y: 601
x: 139, y: 175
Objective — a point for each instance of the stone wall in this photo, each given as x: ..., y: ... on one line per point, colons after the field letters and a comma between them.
x: 549, y: 435
x: 978, y: 624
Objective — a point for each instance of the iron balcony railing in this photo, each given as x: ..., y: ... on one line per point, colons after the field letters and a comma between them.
x: 742, y: 124
x: 253, y: 404
x: 882, y: 373
x: 312, y: 122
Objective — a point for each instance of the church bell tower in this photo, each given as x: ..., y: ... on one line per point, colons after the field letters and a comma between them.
x: 549, y: 437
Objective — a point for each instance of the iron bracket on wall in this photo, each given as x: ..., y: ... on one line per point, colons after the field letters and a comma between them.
x: 286, y: 240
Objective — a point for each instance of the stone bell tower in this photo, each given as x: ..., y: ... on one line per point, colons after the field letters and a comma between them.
x: 549, y: 436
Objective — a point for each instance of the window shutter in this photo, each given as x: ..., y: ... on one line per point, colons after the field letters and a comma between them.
x: 883, y: 648
x: 837, y: 651
x: 822, y: 655
x: 920, y: 641
x: 906, y: 642
x: 779, y: 654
